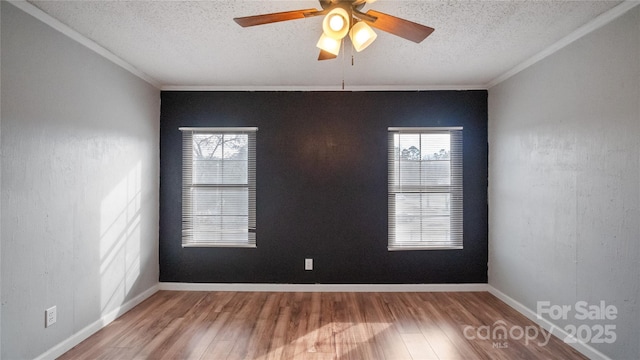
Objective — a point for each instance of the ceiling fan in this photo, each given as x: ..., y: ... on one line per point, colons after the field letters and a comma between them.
x: 344, y: 17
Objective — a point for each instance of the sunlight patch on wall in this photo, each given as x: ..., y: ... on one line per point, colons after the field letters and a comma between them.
x: 120, y: 238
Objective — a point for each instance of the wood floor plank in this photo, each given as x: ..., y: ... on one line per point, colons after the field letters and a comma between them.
x: 438, y: 310
x: 278, y: 340
x: 157, y: 345
x: 460, y: 317
x: 219, y: 350
x: 324, y: 342
x: 418, y: 347
x: 199, y: 349
x: 259, y: 342
x: 316, y: 326
x: 383, y: 329
x: 115, y: 353
x: 300, y: 326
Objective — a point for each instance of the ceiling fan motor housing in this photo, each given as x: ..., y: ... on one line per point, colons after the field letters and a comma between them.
x: 346, y: 4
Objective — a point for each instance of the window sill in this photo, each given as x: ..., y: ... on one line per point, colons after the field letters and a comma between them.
x: 413, y: 248
x: 245, y: 246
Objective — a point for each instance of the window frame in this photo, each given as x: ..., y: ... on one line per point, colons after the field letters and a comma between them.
x: 188, y: 185
x: 454, y: 189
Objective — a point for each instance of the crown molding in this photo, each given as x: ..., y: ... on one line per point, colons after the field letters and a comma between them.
x: 324, y: 88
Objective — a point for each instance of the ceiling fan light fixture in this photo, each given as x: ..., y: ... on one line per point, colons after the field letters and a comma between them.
x: 362, y: 35
x: 342, y: 17
x: 336, y: 23
x: 329, y: 44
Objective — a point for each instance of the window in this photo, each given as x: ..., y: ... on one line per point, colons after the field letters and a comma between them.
x: 218, y: 187
x: 425, y: 188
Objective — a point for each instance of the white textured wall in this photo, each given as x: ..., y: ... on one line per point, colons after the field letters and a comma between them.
x: 564, y: 178
x: 79, y: 191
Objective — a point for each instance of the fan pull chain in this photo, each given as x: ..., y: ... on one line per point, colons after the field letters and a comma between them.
x: 343, y: 60
x: 352, y: 60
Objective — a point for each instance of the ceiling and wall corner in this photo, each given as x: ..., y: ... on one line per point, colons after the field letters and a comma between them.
x: 191, y: 45
x: 80, y: 38
x: 592, y: 25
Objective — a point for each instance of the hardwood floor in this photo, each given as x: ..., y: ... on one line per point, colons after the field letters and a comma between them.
x: 263, y: 325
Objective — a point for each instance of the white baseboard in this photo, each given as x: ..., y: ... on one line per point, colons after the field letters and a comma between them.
x: 92, y: 328
x: 584, y: 348
x: 323, y: 287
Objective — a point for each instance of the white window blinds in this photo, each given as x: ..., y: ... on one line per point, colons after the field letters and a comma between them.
x: 425, y: 188
x: 219, y: 187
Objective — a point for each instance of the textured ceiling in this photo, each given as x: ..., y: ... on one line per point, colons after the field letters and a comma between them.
x: 196, y: 43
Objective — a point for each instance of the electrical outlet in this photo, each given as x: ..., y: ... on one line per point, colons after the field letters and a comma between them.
x: 308, y: 264
x: 50, y: 316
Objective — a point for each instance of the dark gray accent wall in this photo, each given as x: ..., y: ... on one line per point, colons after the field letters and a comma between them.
x: 322, y: 187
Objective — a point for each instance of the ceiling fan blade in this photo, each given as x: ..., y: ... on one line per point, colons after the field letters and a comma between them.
x: 400, y: 27
x: 276, y: 17
x: 325, y: 55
